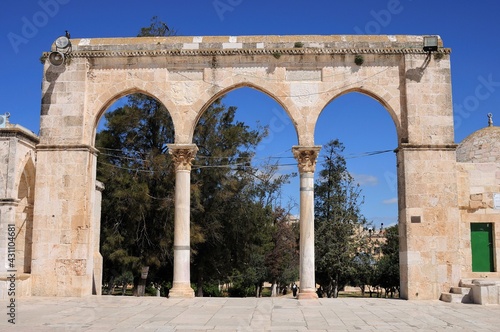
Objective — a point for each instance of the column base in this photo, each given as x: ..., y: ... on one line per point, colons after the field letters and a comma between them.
x: 307, y: 295
x: 181, y: 291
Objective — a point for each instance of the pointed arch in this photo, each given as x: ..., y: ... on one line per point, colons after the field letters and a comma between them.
x: 237, y: 86
x: 115, y: 97
x: 370, y: 93
x: 24, y: 216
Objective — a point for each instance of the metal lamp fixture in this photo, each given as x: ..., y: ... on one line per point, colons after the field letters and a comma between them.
x: 430, y: 43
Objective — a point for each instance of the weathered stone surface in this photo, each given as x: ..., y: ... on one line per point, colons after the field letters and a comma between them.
x: 439, y: 197
x: 478, y: 167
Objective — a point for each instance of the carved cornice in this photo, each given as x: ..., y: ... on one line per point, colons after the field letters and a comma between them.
x: 427, y: 147
x: 245, y: 51
x: 9, y: 201
x: 306, y: 157
x: 183, y: 155
x: 67, y: 147
x: 20, y: 134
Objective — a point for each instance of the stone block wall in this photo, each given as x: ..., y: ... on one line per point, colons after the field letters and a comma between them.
x: 17, y: 181
x: 477, y: 184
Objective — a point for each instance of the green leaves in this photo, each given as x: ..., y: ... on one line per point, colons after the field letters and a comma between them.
x: 387, y: 274
x: 236, y: 222
x: 337, y: 219
x: 137, y: 207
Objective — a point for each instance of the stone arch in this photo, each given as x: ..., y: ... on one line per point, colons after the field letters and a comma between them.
x: 185, y: 74
x: 110, y: 99
x: 370, y: 93
x: 24, y: 216
x: 237, y: 86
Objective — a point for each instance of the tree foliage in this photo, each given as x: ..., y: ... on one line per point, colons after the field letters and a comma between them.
x: 137, y: 172
x: 239, y: 233
x: 387, y: 274
x: 156, y: 28
x: 337, y: 219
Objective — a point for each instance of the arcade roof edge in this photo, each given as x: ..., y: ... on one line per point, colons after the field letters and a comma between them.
x: 224, y: 45
x: 280, y: 51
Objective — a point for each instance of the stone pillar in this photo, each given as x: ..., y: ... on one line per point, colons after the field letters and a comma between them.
x: 96, y: 236
x: 429, y: 229
x: 429, y: 218
x: 182, y: 154
x: 306, y: 157
x: 63, y: 252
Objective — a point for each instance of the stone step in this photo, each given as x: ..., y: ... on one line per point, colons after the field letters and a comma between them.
x: 455, y: 298
x: 466, y: 283
x: 460, y: 290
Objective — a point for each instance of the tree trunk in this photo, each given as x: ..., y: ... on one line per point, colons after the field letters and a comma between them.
x: 141, y: 284
x: 111, y: 286
x: 273, y: 289
x: 335, y: 288
x: 199, y: 285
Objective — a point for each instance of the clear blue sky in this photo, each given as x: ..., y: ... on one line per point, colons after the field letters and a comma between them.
x: 469, y: 28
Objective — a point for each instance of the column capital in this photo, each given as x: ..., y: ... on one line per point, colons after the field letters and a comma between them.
x: 183, y: 155
x: 306, y: 156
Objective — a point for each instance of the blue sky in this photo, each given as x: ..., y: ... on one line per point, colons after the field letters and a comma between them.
x: 469, y: 28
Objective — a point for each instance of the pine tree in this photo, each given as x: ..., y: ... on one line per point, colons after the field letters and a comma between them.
x: 138, y: 174
x: 337, y: 218
x: 233, y: 204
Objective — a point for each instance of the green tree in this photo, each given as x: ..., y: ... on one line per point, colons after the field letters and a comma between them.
x: 364, y: 265
x: 137, y: 218
x: 337, y: 219
x: 388, y: 266
x: 232, y: 220
x: 232, y: 212
x: 282, y: 260
x: 282, y: 257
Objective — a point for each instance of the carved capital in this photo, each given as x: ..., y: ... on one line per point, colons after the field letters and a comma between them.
x: 183, y: 155
x: 306, y: 156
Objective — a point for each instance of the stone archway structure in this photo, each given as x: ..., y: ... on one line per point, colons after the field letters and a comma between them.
x: 303, y: 74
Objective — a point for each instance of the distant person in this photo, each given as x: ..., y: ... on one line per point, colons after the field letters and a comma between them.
x: 294, y: 290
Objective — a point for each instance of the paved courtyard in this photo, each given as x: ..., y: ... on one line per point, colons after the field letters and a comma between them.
x: 109, y: 313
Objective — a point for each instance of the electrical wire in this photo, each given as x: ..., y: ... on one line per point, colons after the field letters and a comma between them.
x: 239, y: 164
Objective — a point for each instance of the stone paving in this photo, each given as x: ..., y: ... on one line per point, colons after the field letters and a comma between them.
x: 122, y: 314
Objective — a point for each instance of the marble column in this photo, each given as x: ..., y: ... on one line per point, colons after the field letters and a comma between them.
x: 306, y: 157
x: 183, y: 154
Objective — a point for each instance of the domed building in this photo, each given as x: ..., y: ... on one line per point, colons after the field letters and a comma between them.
x: 478, y: 176
x: 483, y: 146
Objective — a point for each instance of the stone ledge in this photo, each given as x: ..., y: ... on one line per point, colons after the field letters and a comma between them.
x: 272, y: 52
x: 19, y: 132
x: 248, y: 45
x: 67, y: 147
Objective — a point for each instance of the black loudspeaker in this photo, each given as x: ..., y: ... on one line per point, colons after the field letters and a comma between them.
x: 56, y: 58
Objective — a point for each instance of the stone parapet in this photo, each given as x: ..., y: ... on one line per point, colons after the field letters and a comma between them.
x: 206, y: 45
